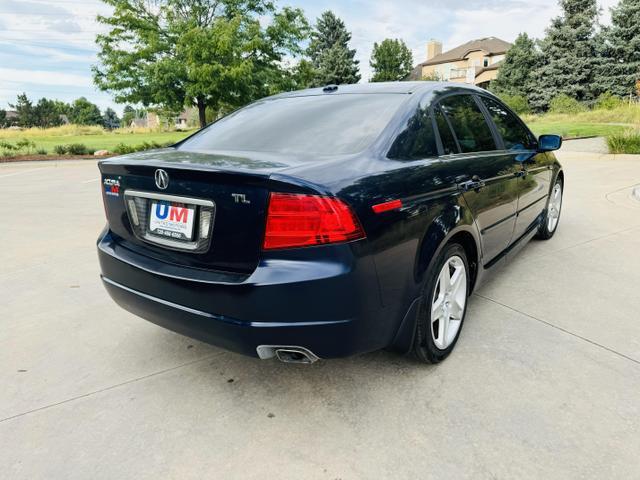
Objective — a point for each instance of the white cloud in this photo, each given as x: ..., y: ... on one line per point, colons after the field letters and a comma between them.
x: 53, y: 46
x: 44, y: 77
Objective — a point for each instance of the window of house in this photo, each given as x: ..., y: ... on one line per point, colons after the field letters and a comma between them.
x: 417, y: 141
x: 468, y: 123
x: 514, y: 134
x: 486, y: 62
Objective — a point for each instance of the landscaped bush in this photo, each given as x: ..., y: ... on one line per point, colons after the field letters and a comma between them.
x: 78, y: 149
x: 73, y: 149
x: 123, y: 149
x: 41, y: 151
x: 517, y: 103
x: 7, y: 147
x: 608, y: 101
x: 565, y: 104
x: 25, y: 145
x: 627, y: 142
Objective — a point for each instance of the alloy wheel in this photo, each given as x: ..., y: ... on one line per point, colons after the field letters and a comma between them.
x: 448, y: 303
x: 555, y: 204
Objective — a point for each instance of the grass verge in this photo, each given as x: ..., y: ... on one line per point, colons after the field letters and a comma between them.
x: 627, y: 142
x: 45, y: 141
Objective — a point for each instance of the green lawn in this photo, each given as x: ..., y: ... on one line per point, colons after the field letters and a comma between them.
x: 93, y: 140
x: 570, y: 129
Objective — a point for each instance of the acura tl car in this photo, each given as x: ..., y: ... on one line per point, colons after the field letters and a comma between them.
x: 329, y: 222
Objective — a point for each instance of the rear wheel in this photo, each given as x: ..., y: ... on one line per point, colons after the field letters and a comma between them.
x: 552, y: 217
x: 444, y: 305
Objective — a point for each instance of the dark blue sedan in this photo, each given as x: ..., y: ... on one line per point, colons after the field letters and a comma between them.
x: 329, y: 222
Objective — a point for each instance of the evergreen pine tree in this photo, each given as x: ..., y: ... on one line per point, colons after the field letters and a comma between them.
x: 568, y: 55
x: 329, y: 51
x: 620, y: 51
x: 516, y: 74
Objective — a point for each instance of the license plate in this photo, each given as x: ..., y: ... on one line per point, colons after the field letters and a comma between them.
x: 172, y: 220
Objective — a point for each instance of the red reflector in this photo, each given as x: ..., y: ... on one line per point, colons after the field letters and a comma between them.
x: 386, y: 206
x: 295, y: 220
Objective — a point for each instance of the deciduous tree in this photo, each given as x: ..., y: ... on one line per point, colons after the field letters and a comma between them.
x: 83, y: 112
x: 391, y: 61
x: 206, y: 53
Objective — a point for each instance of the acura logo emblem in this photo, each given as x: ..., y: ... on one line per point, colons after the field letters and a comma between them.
x: 162, y: 179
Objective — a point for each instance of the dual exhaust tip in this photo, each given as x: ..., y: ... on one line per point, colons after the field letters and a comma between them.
x: 287, y: 353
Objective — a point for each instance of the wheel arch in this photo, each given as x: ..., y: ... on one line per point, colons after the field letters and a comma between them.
x: 437, y: 237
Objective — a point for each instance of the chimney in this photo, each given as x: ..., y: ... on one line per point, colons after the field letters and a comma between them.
x: 434, y: 48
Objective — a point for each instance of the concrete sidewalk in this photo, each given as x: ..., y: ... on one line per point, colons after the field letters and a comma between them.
x: 544, y: 382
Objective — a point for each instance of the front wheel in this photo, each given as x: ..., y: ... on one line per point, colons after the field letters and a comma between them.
x: 444, y: 305
x: 552, y: 217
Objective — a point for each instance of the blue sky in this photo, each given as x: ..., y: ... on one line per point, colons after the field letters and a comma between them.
x: 47, y: 46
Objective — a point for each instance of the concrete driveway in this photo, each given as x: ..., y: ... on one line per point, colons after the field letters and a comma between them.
x: 544, y: 383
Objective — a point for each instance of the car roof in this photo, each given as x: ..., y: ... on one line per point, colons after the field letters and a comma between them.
x: 376, y: 87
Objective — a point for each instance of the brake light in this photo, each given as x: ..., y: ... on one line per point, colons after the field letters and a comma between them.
x: 295, y: 220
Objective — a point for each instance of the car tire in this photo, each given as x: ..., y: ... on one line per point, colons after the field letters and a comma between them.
x: 443, y: 305
x: 552, y: 214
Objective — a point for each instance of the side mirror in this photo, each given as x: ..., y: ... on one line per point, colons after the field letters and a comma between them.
x: 549, y: 143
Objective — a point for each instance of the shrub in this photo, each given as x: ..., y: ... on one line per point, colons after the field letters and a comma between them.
x: 7, y: 147
x: 25, y: 144
x: 61, y: 149
x: 77, y: 149
x: 73, y: 149
x: 565, y: 104
x: 41, y: 151
x: 123, y: 149
x: 517, y: 103
x: 608, y: 101
x: 626, y: 142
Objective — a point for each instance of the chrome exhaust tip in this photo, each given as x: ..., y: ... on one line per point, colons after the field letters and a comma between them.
x: 287, y: 353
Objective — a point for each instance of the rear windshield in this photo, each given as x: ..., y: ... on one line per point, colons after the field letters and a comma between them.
x: 320, y: 125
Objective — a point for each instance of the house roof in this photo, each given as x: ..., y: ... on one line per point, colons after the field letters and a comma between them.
x: 490, y: 45
x: 494, y: 66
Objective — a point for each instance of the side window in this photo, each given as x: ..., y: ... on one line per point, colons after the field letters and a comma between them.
x: 417, y: 140
x: 448, y: 140
x: 512, y: 131
x: 468, y: 122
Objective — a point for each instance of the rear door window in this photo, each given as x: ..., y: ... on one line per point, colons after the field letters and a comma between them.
x: 449, y: 145
x: 417, y: 140
x: 468, y: 123
x: 514, y: 134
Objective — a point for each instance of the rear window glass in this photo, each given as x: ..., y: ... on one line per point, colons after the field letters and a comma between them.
x: 469, y: 125
x: 319, y: 125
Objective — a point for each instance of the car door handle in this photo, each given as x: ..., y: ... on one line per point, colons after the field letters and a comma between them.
x: 476, y: 183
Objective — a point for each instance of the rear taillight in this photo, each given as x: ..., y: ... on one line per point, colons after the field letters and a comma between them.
x: 295, y: 220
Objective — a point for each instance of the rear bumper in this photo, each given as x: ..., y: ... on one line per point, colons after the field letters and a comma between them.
x: 323, y: 299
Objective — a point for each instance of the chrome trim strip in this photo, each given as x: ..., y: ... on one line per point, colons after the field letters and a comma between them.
x: 169, y: 198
